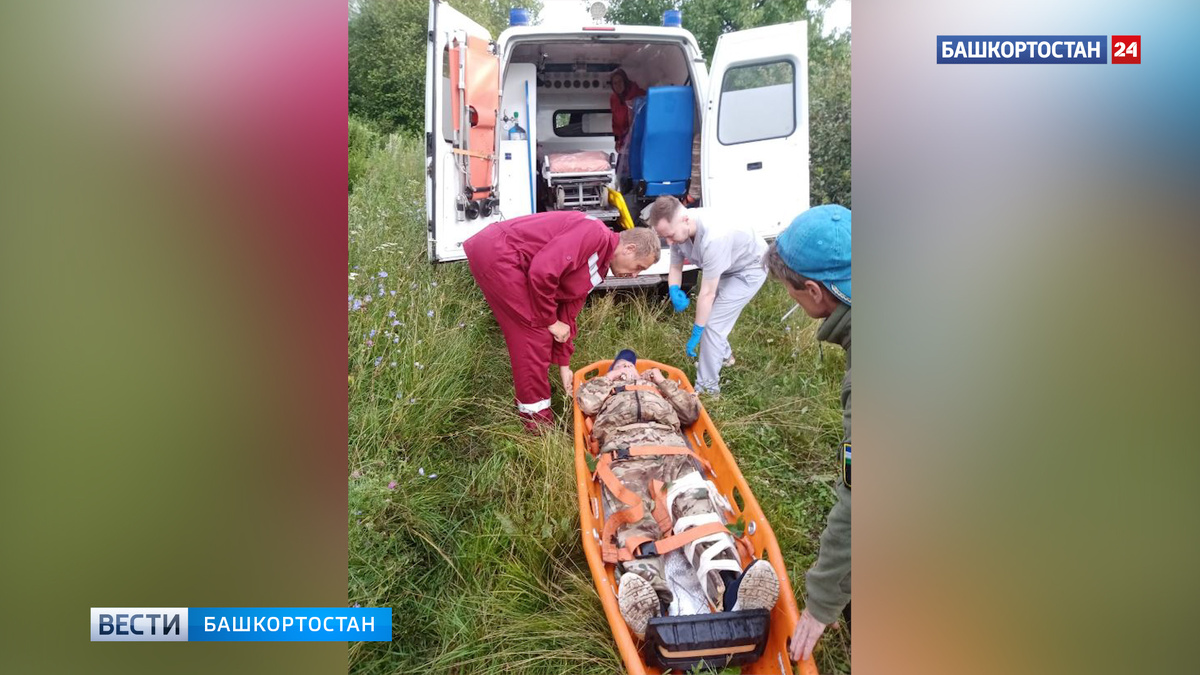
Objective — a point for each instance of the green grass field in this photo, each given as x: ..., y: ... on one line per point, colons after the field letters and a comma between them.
x: 482, y: 564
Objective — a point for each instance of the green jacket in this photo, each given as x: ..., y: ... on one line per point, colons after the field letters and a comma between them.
x: 827, y: 583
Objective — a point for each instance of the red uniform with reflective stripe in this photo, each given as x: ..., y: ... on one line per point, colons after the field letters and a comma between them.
x: 533, y: 271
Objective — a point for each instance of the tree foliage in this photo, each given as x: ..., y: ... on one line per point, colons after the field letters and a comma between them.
x: 829, y: 124
x: 387, y: 45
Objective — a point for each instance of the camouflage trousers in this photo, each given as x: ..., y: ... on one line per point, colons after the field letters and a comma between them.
x: 637, y: 474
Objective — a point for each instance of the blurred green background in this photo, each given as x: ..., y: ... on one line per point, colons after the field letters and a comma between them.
x: 174, y: 404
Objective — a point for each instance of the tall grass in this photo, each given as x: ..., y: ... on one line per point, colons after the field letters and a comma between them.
x: 482, y: 564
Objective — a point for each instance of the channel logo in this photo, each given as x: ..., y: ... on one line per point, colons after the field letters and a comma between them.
x: 241, y: 624
x: 139, y: 624
x: 1022, y: 49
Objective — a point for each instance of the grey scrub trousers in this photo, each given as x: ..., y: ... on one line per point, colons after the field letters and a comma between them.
x: 733, y: 294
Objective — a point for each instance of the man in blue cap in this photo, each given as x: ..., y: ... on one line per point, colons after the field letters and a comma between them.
x: 812, y: 260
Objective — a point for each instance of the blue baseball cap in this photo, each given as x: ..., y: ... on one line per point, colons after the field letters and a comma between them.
x: 626, y: 355
x: 817, y: 246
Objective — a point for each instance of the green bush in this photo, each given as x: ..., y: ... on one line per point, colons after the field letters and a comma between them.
x: 363, y: 141
x: 829, y: 123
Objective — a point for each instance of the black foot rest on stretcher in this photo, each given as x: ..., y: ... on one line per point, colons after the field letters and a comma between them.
x: 713, y: 641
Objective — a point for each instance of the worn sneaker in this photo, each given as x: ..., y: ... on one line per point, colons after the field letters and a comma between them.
x: 638, y: 602
x: 758, y: 588
x: 729, y: 361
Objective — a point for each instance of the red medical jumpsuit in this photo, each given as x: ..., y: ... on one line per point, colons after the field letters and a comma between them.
x: 533, y: 271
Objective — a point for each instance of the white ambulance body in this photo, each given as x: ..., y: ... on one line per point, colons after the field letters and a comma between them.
x: 554, y: 83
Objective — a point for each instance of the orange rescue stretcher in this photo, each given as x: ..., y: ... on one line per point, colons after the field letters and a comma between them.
x: 758, y: 541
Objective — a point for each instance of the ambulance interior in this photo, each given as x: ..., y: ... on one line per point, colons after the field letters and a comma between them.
x: 558, y: 94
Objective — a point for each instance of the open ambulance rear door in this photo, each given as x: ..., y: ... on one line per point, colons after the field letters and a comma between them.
x: 754, y: 149
x: 462, y: 80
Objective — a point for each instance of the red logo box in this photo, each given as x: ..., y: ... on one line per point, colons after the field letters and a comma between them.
x: 1127, y: 49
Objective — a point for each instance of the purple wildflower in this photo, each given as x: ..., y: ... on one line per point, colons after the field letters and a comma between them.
x: 392, y: 485
x: 391, y: 313
x: 382, y: 274
x: 372, y: 333
x: 392, y: 292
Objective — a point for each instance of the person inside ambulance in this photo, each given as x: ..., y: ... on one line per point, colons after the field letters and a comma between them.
x: 653, y: 486
x: 535, y: 273
x: 624, y: 91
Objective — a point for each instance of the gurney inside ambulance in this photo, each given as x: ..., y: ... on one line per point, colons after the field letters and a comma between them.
x: 727, y: 533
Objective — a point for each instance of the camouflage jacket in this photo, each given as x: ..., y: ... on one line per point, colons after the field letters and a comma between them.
x: 616, y: 409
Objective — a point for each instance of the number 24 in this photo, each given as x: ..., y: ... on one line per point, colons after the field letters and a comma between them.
x: 1121, y: 50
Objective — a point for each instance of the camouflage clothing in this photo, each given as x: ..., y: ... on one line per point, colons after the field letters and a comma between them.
x: 639, y: 418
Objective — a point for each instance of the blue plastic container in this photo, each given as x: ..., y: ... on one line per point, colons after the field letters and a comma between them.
x: 661, y: 150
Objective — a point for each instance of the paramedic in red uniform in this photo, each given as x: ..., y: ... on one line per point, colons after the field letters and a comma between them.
x: 535, y: 273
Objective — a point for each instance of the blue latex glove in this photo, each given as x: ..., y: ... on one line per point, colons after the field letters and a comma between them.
x: 694, y: 342
x: 678, y: 298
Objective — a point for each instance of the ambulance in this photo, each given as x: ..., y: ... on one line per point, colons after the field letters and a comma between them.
x: 522, y: 124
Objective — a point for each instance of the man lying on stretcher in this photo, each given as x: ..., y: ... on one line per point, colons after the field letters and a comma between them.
x: 655, y: 499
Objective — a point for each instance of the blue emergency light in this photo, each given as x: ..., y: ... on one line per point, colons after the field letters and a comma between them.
x: 673, y: 18
x: 518, y: 16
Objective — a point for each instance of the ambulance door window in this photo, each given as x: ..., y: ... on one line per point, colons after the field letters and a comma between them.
x: 758, y: 102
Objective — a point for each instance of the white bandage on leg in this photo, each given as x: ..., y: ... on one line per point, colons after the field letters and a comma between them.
x: 694, y: 481
x: 716, y: 544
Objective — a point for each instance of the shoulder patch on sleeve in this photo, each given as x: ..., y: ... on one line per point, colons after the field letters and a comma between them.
x: 846, y: 464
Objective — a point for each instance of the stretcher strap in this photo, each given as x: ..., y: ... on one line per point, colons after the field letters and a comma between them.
x: 661, y: 515
x: 635, y: 547
x: 592, y: 444
x: 609, y: 552
x: 634, y: 387
x: 472, y: 153
x: 653, y: 450
x: 746, y: 547
x: 614, y: 484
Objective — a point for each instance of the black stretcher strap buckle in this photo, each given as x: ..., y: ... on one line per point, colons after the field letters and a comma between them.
x: 646, y: 549
x: 621, y: 452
